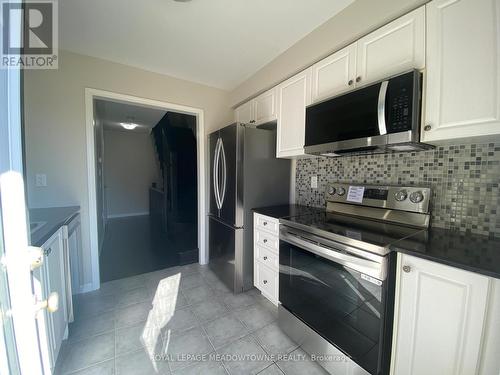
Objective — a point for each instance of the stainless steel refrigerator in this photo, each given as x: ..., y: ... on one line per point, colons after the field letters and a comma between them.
x: 244, y: 174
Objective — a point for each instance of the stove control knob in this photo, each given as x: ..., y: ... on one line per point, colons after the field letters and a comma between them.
x: 331, y: 190
x: 340, y: 191
x: 401, y: 195
x: 416, y: 197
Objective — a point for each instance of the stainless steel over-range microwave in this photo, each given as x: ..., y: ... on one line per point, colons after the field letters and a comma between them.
x: 381, y: 117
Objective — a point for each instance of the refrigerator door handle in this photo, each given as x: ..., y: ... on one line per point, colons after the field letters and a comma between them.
x: 216, y: 173
x: 224, y: 173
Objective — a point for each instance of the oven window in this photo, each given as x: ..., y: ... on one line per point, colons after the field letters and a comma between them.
x: 334, y: 301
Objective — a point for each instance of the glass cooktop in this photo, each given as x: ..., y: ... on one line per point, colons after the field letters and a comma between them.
x: 372, y: 235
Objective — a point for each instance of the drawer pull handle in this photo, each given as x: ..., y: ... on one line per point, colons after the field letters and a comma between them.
x: 265, y: 258
x: 407, y: 269
x: 264, y: 223
x: 265, y: 240
x: 265, y: 281
x: 47, y: 252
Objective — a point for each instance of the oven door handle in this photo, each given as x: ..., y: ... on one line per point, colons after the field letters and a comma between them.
x: 365, y: 266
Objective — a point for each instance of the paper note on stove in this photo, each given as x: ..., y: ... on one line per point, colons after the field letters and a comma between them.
x: 355, y: 194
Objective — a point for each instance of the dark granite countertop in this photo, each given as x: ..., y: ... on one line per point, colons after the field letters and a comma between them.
x: 471, y: 252
x: 467, y: 251
x: 287, y: 210
x: 49, y: 220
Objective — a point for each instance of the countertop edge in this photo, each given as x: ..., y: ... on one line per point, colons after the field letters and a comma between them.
x: 53, y: 227
x: 445, y: 262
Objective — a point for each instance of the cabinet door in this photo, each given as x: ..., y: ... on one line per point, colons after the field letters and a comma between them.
x: 334, y: 74
x: 293, y: 96
x: 463, y: 83
x: 440, y: 312
x: 392, y: 49
x: 265, y: 107
x: 54, y: 264
x: 245, y: 113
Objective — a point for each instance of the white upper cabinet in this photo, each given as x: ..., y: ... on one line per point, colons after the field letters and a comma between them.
x: 258, y: 111
x: 265, y: 107
x: 392, y: 49
x: 245, y: 112
x: 439, y: 318
x: 334, y: 74
x: 293, y: 96
x: 463, y: 83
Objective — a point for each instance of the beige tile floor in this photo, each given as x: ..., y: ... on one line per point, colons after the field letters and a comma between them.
x: 180, y: 320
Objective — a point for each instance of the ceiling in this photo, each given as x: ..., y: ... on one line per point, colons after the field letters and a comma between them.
x: 112, y: 113
x: 219, y: 43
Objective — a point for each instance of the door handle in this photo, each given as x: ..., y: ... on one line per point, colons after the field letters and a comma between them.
x: 224, y: 167
x: 216, y: 173
x: 36, y: 256
x: 51, y: 303
x: 382, y: 128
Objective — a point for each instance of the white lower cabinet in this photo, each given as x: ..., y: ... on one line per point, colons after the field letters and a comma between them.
x: 266, y: 280
x: 439, y: 317
x: 49, y: 278
x: 266, y: 256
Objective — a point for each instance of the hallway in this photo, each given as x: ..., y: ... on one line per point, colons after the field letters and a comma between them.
x: 180, y: 320
x: 132, y: 246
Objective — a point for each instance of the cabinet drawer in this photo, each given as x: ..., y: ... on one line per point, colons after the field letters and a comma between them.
x: 267, y: 223
x: 266, y: 239
x: 266, y: 280
x: 267, y: 257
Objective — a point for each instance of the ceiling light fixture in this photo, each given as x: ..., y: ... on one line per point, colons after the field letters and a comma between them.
x: 128, y: 125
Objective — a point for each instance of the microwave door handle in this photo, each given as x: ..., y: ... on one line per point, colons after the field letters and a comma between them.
x: 361, y: 265
x: 382, y: 95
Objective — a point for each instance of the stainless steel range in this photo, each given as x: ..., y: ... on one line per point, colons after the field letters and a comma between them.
x: 337, y: 273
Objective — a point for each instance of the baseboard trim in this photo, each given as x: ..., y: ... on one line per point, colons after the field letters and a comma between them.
x: 115, y: 216
x: 85, y: 288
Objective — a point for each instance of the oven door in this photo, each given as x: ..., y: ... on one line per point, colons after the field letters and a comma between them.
x: 339, y: 295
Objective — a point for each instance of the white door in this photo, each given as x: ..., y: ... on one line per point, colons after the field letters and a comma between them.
x: 245, y: 113
x: 463, y: 62
x: 293, y: 96
x: 394, y: 48
x: 440, y: 312
x: 265, y: 107
x: 19, y: 349
x: 334, y: 74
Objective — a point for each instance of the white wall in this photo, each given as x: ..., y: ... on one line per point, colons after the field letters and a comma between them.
x: 356, y: 20
x: 130, y: 167
x: 55, y: 124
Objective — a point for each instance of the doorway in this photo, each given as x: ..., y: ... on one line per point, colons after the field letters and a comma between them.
x: 147, y: 185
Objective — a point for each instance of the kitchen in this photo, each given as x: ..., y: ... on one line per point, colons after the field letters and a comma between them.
x: 348, y: 215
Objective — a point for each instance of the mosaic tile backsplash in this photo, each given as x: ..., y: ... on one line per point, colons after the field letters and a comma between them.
x: 465, y: 181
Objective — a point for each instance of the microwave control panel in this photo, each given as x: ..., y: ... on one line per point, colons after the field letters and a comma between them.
x: 399, y: 103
